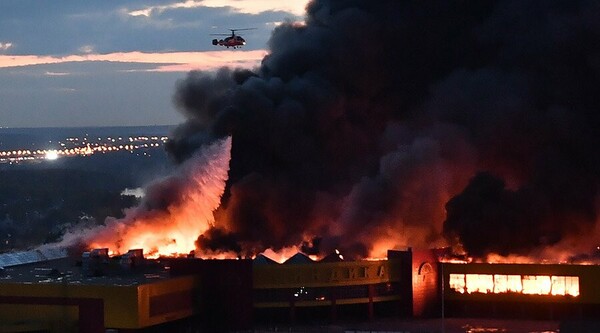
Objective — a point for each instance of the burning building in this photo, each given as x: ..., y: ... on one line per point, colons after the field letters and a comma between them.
x: 380, y: 125
x: 534, y: 291
x: 130, y: 293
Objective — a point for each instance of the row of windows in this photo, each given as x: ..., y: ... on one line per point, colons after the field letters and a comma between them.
x: 324, y: 293
x: 524, y: 284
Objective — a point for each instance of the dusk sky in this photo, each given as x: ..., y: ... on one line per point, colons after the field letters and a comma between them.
x: 115, y: 63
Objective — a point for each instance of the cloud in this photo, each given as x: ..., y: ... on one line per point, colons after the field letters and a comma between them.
x: 86, y: 49
x: 48, y: 73
x: 160, y: 26
x: 5, y: 46
x: 170, y: 61
x: 295, y: 7
x: 148, y: 11
x: 64, y: 90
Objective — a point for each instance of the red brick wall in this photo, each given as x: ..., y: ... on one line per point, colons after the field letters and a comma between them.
x: 426, y: 284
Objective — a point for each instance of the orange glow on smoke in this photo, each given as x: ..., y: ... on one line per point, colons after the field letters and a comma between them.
x: 521, y: 284
x: 380, y: 248
x: 286, y: 253
x: 281, y: 255
x: 163, y: 235
x: 194, y: 193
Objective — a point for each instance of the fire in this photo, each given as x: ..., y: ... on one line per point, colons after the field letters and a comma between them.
x: 507, y: 284
x: 557, y: 258
x: 176, y: 211
x: 285, y: 253
x: 522, y: 284
x: 380, y: 248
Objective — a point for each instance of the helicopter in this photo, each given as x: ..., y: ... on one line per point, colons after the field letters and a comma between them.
x: 233, y: 40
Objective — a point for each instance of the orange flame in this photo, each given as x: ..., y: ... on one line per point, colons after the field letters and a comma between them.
x: 284, y: 254
x: 171, y: 231
x: 522, y: 284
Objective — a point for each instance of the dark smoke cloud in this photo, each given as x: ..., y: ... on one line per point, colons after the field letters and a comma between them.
x: 361, y: 124
x: 217, y: 240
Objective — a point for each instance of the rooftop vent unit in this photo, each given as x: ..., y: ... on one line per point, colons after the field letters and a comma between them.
x: 93, y: 262
x: 133, y: 258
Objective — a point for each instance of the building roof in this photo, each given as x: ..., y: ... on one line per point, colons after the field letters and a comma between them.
x: 335, y: 256
x: 262, y: 259
x: 26, y: 257
x: 299, y: 258
x: 71, y: 271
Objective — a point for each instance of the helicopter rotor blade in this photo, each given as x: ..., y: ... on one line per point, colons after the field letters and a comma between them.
x: 232, y: 30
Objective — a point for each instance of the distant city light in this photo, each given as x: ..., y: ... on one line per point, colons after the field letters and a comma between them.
x: 51, y: 155
x: 74, y: 146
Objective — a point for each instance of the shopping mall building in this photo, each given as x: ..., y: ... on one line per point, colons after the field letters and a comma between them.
x: 53, y: 291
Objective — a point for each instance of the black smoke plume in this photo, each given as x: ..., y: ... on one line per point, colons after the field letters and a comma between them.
x: 365, y: 121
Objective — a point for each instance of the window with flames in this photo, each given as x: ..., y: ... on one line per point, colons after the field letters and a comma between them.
x: 523, y: 284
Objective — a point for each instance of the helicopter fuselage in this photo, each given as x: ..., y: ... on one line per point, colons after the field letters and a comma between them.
x: 233, y: 41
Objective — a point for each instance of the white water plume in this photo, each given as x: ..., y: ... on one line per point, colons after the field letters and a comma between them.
x: 175, y: 210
